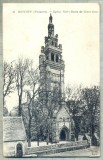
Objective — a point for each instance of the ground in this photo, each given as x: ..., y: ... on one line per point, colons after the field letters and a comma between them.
x: 90, y: 152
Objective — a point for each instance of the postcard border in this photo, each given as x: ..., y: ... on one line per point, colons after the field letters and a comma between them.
x: 101, y: 69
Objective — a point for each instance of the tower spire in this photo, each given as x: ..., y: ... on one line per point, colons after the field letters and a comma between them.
x: 50, y: 18
x: 50, y: 26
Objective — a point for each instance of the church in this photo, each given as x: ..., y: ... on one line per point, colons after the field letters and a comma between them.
x: 52, y: 67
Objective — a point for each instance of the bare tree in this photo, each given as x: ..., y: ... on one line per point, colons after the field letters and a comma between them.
x: 32, y: 91
x: 91, y: 100
x: 38, y: 115
x: 9, y: 80
x: 21, y: 70
x: 52, y: 105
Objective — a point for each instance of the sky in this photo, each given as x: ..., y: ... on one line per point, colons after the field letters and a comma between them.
x: 77, y: 26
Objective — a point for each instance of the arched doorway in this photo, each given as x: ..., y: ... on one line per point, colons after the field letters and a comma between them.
x: 19, y: 150
x: 64, y: 134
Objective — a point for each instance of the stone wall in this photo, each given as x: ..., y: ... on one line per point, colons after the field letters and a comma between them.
x: 56, y: 148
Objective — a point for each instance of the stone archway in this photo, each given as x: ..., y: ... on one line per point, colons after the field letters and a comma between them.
x: 64, y: 134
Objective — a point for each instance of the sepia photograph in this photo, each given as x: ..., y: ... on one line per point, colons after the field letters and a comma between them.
x: 51, y: 80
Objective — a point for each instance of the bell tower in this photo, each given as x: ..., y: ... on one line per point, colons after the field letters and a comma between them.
x: 51, y: 66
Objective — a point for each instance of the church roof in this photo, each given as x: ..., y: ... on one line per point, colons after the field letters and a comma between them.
x: 57, y: 111
x: 13, y: 129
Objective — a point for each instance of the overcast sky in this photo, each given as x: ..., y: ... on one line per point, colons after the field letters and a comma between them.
x: 77, y: 26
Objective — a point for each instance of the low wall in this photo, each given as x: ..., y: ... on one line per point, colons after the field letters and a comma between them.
x: 56, y: 148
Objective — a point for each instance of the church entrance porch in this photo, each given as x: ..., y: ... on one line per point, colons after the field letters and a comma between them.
x: 64, y: 134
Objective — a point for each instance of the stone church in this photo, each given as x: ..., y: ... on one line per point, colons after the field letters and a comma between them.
x: 51, y: 66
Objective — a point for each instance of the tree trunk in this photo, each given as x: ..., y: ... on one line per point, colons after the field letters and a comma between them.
x: 29, y: 134
x: 19, y: 110
x: 93, y: 139
x: 92, y: 128
x: 37, y: 141
x: 48, y: 139
x: 29, y: 142
x: 76, y: 136
x: 3, y: 101
x: 47, y: 142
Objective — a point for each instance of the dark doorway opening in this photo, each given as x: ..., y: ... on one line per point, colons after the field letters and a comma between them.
x: 62, y: 135
x: 52, y: 56
x: 19, y: 150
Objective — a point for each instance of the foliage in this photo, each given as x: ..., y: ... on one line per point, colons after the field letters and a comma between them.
x: 84, y: 104
x: 91, y: 114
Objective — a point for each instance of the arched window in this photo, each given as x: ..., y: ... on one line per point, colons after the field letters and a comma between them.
x: 57, y: 58
x: 47, y: 57
x: 52, y: 56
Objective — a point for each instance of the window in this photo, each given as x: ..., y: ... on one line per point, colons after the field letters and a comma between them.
x: 57, y: 58
x: 55, y: 44
x: 47, y: 57
x: 52, y: 56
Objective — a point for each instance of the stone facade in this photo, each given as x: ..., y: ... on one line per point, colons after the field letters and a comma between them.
x: 62, y: 125
x: 52, y: 68
x: 10, y: 148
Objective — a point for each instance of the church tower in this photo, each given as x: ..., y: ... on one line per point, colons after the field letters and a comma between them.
x: 51, y: 66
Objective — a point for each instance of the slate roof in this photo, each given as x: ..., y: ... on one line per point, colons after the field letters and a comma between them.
x: 13, y: 129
